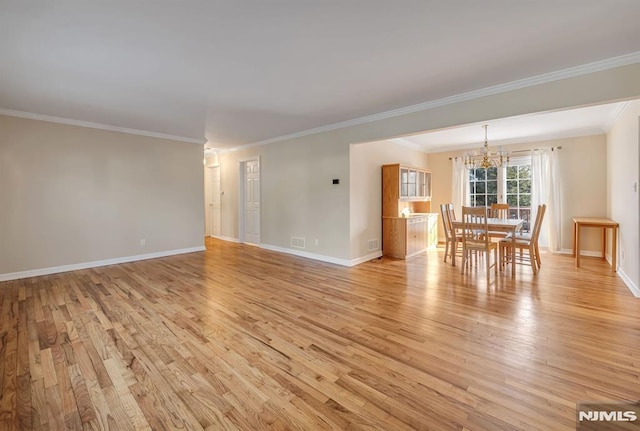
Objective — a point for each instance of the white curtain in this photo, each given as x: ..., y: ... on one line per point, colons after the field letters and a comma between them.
x: 545, y: 189
x: 459, y: 186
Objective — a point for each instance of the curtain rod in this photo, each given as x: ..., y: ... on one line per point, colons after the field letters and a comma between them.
x: 559, y: 147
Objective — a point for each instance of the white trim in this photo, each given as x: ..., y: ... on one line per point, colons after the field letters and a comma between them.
x: 96, y: 263
x: 630, y: 284
x: 314, y: 256
x: 322, y: 257
x: 615, y: 115
x: 91, y: 125
x: 585, y: 253
x: 407, y: 144
x: 598, y: 66
x: 228, y: 238
x: 366, y: 258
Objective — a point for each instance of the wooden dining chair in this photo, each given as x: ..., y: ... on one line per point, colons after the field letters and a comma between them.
x: 500, y: 211
x: 525, y: 243
x: 448, y: 232
x: 475, y: 238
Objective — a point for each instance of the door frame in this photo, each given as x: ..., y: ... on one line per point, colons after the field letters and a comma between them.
x: 242, y: 163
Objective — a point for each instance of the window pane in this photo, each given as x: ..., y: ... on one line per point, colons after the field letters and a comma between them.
x: 525, y: 186
x: 480, y: 187
x: 492, y: 199
x: 492, y: 174
x: 480, y: 201
x: 512, y: 172
x: 524, y: 171
x: 472, y: 188
x: 492, y: 186
x: 512, y: 186
x: 512, y: 200
x: 480, y: 174
x: 525, y: 200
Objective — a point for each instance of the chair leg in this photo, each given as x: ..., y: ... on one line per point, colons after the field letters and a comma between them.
x: 538, y: 255
x: 495, y: 259
x: 446, y: 250
x: 532, y: 258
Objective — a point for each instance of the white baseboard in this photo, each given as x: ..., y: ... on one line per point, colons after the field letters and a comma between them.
x: 314, y: 256
x: 96, y: 263
x: 586, y: 253
x: 228, y: 238
x: 359, y: 260
x: 630, y: 284
x: 322, y: 257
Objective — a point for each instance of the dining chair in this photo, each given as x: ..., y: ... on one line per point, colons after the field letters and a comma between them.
x: 476, y: 239
x: 448, y: 232
x: 525, y: 242
x: 500, y: 211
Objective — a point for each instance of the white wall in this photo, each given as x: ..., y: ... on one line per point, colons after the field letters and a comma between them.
x: 366, y: 189
x: 583, y: 166
x: 297, y: 195
x: 71, y: 195
x: 623, y: 202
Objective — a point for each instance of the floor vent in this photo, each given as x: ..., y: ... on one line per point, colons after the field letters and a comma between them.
x: 298, y: 242
x: 373, y: 244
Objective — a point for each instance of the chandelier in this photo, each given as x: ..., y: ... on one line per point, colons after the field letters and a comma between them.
x: 486, y: 159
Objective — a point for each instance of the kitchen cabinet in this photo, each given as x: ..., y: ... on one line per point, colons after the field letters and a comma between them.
x: 407, y: 225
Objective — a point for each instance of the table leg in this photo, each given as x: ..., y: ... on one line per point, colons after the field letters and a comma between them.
x: 614, y: 248
x: 604, y: 242
x: 513, y: 254
x: 573, y: 240
x: 577, y: 244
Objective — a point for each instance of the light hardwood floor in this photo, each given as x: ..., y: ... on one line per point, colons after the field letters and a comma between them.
x: 242, y: 338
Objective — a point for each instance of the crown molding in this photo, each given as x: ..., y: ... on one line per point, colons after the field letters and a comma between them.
x: 597, y: 66
x: 407, y: 144
x: 615, y: 115
x: 577, y: 133
x: 91, y: 125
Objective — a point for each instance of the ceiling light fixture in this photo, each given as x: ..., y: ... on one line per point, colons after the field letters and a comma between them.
x: 486, y: 159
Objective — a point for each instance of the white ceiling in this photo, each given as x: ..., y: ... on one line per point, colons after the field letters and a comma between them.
x: 244, y: 71
x: 590, y: 120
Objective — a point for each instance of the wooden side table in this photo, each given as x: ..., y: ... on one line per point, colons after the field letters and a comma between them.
x: 604, y: 224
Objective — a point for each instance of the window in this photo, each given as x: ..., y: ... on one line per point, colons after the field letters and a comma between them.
x: 518, y: 193
x: 511, y: 185
x: 483, y: 186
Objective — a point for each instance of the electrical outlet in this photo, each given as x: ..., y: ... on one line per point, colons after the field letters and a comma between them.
x: 143, y: 242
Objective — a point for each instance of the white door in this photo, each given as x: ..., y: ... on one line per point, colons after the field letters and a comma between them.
x: 212, y: 201
x: 251, y: 202
x: 208, y: 227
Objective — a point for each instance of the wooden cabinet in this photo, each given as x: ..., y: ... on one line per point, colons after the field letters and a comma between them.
x: 407, y: 228
x: 405, y: 189
x: 404, y: 237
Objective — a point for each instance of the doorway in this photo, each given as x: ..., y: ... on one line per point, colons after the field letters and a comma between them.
x: 212, y: 201
x: 249, y: 212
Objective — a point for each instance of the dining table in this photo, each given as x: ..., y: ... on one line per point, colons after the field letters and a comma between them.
x: 510, y: 226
